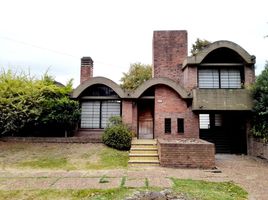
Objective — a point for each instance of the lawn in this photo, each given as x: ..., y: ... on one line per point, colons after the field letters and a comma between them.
x: 190, y: 189
x: 60, y: 156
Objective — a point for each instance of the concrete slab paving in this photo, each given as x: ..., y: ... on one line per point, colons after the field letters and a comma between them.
x: 27, y: 183
x: 83, y: 183
x: 160, y: 182
x: 135, y: 182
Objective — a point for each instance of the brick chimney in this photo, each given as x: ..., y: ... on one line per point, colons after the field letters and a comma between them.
x: 169, y: 52
x: 86, y: 69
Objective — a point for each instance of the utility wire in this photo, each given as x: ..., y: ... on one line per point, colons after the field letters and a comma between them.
x: 48, y: 49
x: 38, y: 47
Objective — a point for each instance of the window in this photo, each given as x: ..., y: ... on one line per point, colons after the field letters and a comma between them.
x: 204, y: 121
x: 218, y: 120
x: 180, y: 125
x: 208, y: 78
x: 95, y: 114
x: 168, y: 125
x: 219, y: 78
x: 230, y: 78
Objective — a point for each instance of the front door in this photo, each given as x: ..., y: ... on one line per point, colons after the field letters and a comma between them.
x: 145, y: 119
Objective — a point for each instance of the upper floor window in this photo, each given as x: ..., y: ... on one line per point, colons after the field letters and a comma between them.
x: 219, y: 78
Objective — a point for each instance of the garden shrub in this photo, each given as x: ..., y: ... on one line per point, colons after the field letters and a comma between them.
x: 28, y: 104
x: 117, y: 135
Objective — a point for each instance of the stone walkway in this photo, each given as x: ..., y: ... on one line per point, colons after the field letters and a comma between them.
x: 248, y: 172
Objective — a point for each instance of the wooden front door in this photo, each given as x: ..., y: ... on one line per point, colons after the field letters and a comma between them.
x: 146, y: 120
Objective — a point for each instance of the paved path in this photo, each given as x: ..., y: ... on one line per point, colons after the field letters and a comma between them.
x: 250, y: 173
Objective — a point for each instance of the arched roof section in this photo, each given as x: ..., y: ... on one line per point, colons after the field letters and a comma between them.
x: 161, y: 81
x: 198, y: 58
x: 98, y: 80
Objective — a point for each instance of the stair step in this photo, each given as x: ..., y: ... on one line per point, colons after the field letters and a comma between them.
x: 143, y: 152
x: 141, y: 158
x: 143, y: 161
x: 143, y: 149
x: 143, y: 155
x: 143, y: 146
x: 144, y: 142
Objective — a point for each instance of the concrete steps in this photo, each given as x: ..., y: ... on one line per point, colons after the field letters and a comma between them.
x: 143, y: 152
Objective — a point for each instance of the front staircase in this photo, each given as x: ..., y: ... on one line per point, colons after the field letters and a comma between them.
x: 143, y: 152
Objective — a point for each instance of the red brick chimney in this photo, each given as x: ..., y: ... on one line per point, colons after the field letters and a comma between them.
x: 169, y: 52
x: 86, y: 69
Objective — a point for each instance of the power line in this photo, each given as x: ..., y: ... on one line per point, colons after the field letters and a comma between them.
x: 50, y: 50
x: 38, y: 47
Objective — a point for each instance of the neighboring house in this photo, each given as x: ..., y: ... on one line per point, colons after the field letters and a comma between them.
x: 203, y: 96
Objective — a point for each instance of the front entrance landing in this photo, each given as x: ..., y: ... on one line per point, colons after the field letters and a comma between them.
x: 143, y: 152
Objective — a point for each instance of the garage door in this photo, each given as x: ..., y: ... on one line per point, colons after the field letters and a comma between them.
x: 95, y: 114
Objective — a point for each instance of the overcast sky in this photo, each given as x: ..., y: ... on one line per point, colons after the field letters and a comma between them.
x: 53, y: 35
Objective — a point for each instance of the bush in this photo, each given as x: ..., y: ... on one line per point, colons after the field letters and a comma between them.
x: 29, y: 105
x: 117, y: 135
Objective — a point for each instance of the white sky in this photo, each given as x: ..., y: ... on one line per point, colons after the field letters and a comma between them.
x: 38, y: 35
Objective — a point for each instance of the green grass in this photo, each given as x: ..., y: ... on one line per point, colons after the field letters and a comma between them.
x: 146, y: 182
x: 205, y: 190
x: 47, y: 162
x: 95, y: 194
x: 123, y: 181
x: 110, y: 159
x: 201, y: 190
x: 60, y: 156
x: 104, y: 179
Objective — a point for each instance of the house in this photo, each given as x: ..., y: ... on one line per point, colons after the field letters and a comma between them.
x: 201, y: 96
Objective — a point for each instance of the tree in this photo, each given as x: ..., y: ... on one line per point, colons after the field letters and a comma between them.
x: 260, y: 95
x: 138, y: 73
x: 199, y: 45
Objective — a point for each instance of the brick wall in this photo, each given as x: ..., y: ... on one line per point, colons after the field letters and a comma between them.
x: 190, y: 153
x: 168, y: 104
x: 190, y: 78
x: 129, y: 114
x: 169, y: 52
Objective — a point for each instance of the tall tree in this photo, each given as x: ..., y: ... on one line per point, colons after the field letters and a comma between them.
x: 199, y: 45
x: 260, y: 95
x: 137, y: 74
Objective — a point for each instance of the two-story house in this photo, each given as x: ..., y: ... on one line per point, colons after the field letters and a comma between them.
x: 201, y: 96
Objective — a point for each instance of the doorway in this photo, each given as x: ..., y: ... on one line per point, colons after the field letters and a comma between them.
x: 146, y: 119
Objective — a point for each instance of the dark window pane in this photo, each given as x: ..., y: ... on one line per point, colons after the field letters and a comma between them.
x: 180, y: 124
x: 167, y: 125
